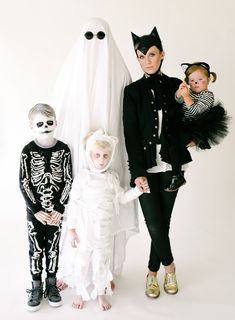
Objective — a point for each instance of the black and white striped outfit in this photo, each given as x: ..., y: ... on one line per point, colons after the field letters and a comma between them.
x: 205, y: 121
x: 202, y: 102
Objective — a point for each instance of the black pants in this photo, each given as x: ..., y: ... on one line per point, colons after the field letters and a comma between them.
x: 157, y: 208
x: 176, y: 149
x: 43, y: 239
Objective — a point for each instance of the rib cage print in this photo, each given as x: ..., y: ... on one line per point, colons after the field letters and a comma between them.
x: 46, y: 176
x: 47, y: 180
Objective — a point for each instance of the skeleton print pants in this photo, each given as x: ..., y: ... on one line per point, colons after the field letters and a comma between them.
x: 43, y: 240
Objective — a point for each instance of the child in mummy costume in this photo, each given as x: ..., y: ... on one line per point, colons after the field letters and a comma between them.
x: 92, y: 221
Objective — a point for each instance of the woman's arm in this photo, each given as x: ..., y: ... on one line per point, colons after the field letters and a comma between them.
x: 136, y: 156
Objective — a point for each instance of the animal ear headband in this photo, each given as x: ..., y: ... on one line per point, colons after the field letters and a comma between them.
x: 99, y: 135
x: 186, y: 66
x: 145, y: 42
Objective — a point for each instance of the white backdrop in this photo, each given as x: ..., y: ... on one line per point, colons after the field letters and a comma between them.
x: 36, y: 36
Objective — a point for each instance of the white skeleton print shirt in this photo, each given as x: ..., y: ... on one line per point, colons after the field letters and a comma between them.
x: 45, y: 177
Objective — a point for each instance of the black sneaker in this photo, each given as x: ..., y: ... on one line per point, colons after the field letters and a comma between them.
x: 176, y: 182
x: 52, y: 293
x: 35, y: 296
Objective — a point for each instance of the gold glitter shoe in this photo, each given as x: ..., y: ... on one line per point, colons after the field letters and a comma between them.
x: 170, y: 283
x: 152, y: 287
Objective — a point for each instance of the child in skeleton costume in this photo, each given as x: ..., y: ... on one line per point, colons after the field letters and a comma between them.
x: 93, y: 213
x: 203, y: 121
x: 88, y: 95
x: 45, y: 182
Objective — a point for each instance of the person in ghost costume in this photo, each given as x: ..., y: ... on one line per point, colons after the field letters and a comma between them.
x: 88, y: 95
x: 93, y: 212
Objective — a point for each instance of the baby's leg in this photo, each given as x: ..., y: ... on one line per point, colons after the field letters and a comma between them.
x: 78, y: 302
x: 103, y: 303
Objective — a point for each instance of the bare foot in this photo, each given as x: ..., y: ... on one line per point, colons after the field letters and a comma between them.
x: 78, y: 303
x: 103, y: 303
x: 61, y: 285
x: 112, y: 283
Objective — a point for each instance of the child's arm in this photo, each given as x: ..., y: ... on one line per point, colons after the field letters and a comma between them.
x: 205, y: 102
x: 129, y: 195
x: 133, y: 193
x: 25, y: 182
x: 67, y: 168
x: 74, y: 198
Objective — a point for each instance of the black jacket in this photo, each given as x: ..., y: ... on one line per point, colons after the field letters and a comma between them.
x: 140, y: 119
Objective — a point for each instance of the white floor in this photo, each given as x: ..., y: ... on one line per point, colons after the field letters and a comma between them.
x: 205, y: 268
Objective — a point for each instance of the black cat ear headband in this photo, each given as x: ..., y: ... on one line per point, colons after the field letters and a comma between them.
x: 186, y: 66
x: 145, y: 42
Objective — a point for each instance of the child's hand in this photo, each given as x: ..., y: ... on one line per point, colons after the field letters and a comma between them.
x: 142, y: 184
x: 183, y: 90
x: 145, y: 186
x: 55, y: 218
x: 43, y: 217
x: 73, y: 236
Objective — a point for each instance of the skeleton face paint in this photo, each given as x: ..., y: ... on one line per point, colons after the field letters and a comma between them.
x: 43, y: 126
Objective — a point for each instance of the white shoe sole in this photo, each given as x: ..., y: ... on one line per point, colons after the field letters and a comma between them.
x: 33, y: 309
x: 55, y: 304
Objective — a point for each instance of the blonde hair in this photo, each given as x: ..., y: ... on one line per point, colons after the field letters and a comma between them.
x: 41, y: 108
x: 196, y: 66
x: 103, y: 144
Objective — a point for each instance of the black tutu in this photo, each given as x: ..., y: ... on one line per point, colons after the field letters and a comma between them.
x: 209, y: 128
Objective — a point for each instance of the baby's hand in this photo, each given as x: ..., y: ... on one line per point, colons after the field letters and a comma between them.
x: 183, y: 85
x: 73, y: 236
x: 184, y: 90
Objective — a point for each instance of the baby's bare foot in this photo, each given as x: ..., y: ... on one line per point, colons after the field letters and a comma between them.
x: 103, y: 303
x: 78, y: 303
